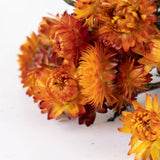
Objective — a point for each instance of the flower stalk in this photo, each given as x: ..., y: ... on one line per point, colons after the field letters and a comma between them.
x: 70, y: 2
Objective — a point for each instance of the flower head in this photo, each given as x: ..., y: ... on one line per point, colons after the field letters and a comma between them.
x: 127, y: 22
x: 63, y: 87
x: 144, y: 125
x: 65, y: 34
x: 37, y: 55
x: 131, y: 77
x: 96, y: 72
x: 57, y: 90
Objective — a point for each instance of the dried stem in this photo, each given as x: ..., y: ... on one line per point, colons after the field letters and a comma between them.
x: 116, y: 114
x: 70, y: 2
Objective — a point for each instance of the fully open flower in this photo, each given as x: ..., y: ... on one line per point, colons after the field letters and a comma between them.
x: 96, y: 72
x: 86, y: 10
x: 144, y: 125
x: 63, y: 86
x: 131, y: 77
x: 127, y: 22
x: 57, y: 89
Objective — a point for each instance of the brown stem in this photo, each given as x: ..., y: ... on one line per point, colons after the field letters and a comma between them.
x: 116, y: 114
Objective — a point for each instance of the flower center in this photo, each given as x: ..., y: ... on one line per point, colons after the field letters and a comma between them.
x: 63, y: 87
x: 125, y: 18
x: 145, y: 124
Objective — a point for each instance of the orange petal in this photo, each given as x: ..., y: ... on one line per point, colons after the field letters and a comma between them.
x: 125, y: 130
x: 73, y: 109
x: 125, y: 113
x: 136, y: 104
x: 145, y: 154
x: 56, y: 111
x: 148, y: 102
x: 155, y: 154
x: 125, y: 43
x: 156, y: 104
x: 139, y: 148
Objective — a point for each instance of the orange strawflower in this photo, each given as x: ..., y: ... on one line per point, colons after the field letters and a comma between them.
x: 57, y: 89
x: 86, y: 10
x: 62, y: 86
x: 127, y: 22
x: 65, y: 34
x: 96, y: 72
x: 131, y: 77
x: 144, y: 125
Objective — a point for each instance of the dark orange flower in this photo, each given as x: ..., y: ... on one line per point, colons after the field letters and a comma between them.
x: 96, y: 72
x: 86, y: 10
x: 65, y: 34
x: 144, y: 125
x: 63, y: 88
x: 57, y: 89
x: 127, y: 22
x: 131, y: 77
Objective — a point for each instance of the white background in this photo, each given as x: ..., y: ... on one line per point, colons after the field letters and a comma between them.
x: 26, y: 134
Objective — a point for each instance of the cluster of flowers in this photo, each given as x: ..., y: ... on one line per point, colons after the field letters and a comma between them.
x: 94, y: 59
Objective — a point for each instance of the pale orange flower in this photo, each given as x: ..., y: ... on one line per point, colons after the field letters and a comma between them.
x: 86, y: 10
x: 96, y: 72
x: 144, y: 125
x: 127, y: 22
